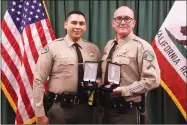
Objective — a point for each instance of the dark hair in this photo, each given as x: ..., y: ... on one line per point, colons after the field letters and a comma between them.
x: 75, y: 12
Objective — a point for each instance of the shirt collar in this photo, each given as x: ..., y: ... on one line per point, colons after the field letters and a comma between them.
x: 71, y: 42
x: 125, y: 39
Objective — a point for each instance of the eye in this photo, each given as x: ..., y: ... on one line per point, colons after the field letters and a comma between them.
x: 74, y: 22
x: 127, y: 18
x: 119, y: 18
x: 82, y: 23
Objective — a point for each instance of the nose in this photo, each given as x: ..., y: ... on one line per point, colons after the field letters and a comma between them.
x: 123, y: 22
x: 77, y: 26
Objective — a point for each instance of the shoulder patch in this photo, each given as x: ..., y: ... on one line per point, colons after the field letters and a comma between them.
x: 45, y: 50
x: 148, y: 55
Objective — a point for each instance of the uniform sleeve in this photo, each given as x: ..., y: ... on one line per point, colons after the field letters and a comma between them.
x: 43, y: 68
x: 149, y: 71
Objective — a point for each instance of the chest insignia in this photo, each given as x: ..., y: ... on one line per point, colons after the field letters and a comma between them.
x: 123, y: 54
x: 91, y: 54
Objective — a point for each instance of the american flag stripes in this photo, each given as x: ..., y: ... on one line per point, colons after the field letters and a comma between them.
x: 26, y: 29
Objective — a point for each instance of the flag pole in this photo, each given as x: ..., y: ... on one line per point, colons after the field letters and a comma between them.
x: 43, y: 1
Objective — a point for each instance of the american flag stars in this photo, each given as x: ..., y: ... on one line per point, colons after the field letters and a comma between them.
x: 26, y: 12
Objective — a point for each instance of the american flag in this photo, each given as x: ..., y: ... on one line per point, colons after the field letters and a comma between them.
x: 26, y: 29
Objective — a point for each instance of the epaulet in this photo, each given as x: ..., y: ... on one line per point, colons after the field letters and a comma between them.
x: 59, y: 39
x: 135, y: 39
x: 86, y: 41
x: 140, y: 41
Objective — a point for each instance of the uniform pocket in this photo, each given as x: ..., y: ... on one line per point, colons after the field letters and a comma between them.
x: 122, y: 60
x: 66, y: 61
x: 66, y: 66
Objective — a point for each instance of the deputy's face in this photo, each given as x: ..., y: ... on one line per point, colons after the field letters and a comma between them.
x: 75, y: 26
x: 123, y: 22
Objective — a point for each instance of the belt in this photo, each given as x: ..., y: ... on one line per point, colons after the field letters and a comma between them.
x: 68, y: 97
x: 117, y: 102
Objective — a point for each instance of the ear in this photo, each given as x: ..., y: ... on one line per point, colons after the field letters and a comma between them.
x: 65, y: 24
x: 134, y: 23
x: 113, y: 23
x: 85, y: 28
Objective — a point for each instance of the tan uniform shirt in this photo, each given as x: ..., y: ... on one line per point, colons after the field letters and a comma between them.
x: 58, y: 62
x: 139, y: 67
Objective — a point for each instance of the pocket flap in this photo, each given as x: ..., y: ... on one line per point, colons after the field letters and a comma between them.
x: 122, y: 60
x: 66, y: 61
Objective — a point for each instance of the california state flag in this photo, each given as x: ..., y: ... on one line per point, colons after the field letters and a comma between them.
x: 170, y: 45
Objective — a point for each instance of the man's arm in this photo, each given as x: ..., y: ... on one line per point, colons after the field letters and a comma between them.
x: 149, y: 73
x: 43, y: 69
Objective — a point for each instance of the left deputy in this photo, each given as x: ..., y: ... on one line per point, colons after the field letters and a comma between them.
x: 62, y: 61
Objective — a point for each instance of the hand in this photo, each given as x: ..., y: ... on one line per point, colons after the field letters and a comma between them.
x: 117, y: 91
x: 42, y: 120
